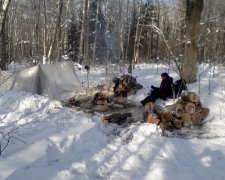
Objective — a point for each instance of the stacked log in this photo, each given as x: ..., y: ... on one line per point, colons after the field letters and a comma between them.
x: 185, y: 112
x: 125, y: 86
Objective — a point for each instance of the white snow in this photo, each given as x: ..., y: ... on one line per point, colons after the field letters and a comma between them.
x: 49, y: 141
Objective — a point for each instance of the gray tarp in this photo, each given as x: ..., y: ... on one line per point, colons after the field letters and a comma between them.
x: 57, y: 81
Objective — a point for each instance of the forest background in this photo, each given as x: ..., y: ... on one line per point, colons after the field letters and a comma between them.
x: 182, y: 34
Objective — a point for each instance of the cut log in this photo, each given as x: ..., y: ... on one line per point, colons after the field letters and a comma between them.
x: 158, y: 109
x: 124, y: 82
x: 101, y: 108
x: 176, y: 109
x: 189, y: 96
x: 179, y: 110
x: 111, y: 89
x: 112, y: 84
x: 152, y: 119
x: 204, y: 113
x: 198, y: 106
x: 188, y: 107
x: 177, y: 123
x: 131, y: 92
x: 186, y: 118
x: 196, y: 118
x: 167, y: 116
x: 120, y: 86
x: 166, y: 120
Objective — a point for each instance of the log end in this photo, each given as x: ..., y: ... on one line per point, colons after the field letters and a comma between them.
x: 204, y: 113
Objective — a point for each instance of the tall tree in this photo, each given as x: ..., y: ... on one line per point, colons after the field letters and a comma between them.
x: 4, y: 6
x: 57, y: 32
x: 193, y: 16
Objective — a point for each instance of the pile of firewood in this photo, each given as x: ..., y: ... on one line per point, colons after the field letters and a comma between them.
x: 124, y: 86
x: 187, y: 111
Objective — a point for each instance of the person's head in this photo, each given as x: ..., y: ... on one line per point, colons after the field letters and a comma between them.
x: 164, y: 75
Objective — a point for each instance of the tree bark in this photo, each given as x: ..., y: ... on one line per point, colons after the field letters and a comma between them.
x: 86, y: 32
x: 3, y: 14
x: 193, y: 16
x: 96, y: 32
x: 57, y: 33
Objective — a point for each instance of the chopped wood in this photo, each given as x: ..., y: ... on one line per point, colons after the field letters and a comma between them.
x: 189, y: 107
x: 100, y: 99
x: 126, y: 83
x: 189, y: 96
x: 101, y: 108
x: 158, y: 109
x: 152, y: 119
x: 198, y: 106
x: 179, y: 110
x: 204, y: 113
x: 186, y: 118
x: 196, y: 118
x: 167, y: 117
x: 166, y: 120
x: 177, y: 123
x: 131, y: 92
x: 112, y: 84
x: 121, y: 86
x: 176, y: 109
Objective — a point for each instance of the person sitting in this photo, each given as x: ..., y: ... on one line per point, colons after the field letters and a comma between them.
x: 162, y: 92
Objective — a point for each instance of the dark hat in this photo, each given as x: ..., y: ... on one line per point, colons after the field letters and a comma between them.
x: 164, y: 74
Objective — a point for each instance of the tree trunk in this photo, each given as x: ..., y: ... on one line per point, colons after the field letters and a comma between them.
x: 193, y: 16
x: 57, y: 33
x: 3, y: 14
x: 86, y: 32
x: 96, y: 33
x: 44, y: 60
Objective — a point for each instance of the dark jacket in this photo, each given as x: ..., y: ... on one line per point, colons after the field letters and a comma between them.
x: 165, y: 89
x: 162, y: 92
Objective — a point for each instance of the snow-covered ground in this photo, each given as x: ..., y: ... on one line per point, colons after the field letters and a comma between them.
x: 49, y: 141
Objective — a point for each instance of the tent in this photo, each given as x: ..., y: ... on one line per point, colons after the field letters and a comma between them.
x: 6, y: 80
x: 57, y: 81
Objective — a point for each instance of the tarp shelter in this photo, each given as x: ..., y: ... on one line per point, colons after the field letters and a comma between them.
x: 57, y: 81
x: 6, y: 80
